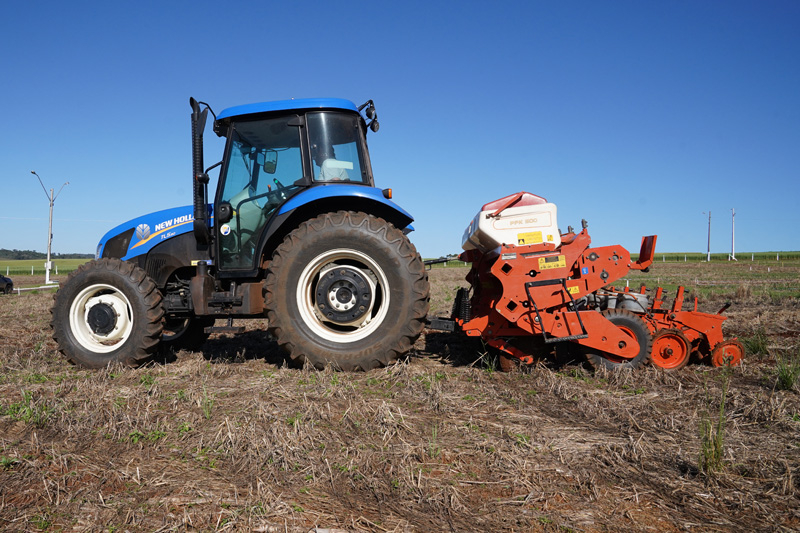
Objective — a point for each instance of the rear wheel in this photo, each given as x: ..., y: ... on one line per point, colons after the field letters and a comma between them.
x: 107, y: 311
x: 632, y: 326
x: 346, y: 289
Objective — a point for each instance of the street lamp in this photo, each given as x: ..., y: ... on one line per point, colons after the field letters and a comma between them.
x: 708, y: 250
x: 52, y: 200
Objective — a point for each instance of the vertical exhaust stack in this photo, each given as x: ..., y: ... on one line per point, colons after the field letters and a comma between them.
x: 199, y: 177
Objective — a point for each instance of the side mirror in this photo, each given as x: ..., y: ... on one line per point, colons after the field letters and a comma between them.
x: 224, y: 212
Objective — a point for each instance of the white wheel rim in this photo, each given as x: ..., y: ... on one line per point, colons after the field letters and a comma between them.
x: 306, y: 289
x: 79, y: 323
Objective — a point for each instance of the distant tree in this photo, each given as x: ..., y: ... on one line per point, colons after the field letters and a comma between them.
x: 20, y: 254
x: 74, y: 256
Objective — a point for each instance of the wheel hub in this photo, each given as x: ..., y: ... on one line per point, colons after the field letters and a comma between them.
x: 344, y: 295
x: 101, y: 318
x: 106, y: 318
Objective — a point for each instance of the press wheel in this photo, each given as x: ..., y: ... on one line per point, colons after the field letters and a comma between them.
x: 671, y: 349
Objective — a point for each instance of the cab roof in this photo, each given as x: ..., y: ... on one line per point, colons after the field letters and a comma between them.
x: 284, y: 105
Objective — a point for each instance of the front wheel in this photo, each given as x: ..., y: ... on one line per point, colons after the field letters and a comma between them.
x: 346, y: 289
x: 107, y: 311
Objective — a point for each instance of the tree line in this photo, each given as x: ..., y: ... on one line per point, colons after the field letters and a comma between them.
x: 31, y: 254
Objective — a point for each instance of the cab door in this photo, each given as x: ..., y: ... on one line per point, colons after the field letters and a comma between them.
x: 264, y: 167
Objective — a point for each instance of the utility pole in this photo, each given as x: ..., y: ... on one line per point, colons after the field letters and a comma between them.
x: 52, y: 199
x: 708, y: 250
x: 733, y: 234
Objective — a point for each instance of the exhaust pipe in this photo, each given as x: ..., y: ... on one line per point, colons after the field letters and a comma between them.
x: 199, y: 177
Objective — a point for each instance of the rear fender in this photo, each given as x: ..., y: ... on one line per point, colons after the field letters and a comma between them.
x: 312, y: 202
x: 346, y: 195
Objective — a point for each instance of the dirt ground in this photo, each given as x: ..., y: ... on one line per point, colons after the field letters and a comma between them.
x: 232, y: 439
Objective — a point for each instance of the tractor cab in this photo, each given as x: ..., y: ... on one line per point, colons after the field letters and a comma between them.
x: 275, y: 151
x: 272, y: 155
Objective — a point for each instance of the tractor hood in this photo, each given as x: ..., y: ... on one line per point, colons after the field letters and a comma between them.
x: 138, y: 236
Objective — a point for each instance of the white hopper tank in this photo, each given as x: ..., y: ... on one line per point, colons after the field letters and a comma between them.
x: 519, y: 219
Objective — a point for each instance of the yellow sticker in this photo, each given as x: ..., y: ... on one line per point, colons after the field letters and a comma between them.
x: 534, y: 237
x: 547, y: 263
x: 574, y: 290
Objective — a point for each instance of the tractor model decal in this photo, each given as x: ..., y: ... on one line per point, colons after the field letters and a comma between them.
x: 161, y: 228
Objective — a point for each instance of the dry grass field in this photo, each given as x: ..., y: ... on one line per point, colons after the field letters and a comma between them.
x: 231, y: 439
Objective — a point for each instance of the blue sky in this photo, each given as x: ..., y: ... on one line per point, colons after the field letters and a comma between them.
x: 637, y: 116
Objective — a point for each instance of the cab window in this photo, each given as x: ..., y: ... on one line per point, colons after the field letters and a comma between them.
x: 335, y: 141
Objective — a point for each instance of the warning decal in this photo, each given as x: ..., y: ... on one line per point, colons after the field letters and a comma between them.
x: 534, y: 237
x: 547, y: 263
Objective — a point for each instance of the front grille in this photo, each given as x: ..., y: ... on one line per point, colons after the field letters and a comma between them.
x: 155, y: 266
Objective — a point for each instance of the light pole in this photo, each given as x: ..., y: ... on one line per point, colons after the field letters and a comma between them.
x: 733, y: 234
x: 52, y: 200
x: 708, y: 250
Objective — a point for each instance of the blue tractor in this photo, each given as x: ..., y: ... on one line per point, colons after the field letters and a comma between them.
x: 296, y: 232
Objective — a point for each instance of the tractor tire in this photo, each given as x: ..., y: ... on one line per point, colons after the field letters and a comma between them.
x: 634, y: 327
x: 108, y: 311
x: 348, y: 290
x: 185, y: 333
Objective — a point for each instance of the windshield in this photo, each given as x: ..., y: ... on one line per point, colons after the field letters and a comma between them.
x: 335, y: 147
